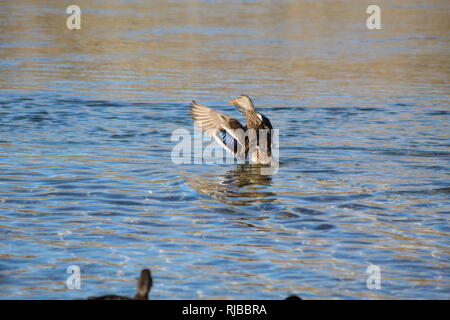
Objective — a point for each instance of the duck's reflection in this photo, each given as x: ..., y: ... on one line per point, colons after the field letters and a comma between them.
x: 242, y: 185
x: 245, y: 175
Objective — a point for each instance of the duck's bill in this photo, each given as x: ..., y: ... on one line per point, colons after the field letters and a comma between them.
x: 233, y: 101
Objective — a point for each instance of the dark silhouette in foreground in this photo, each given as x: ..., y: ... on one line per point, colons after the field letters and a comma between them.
x: 293, y: 297
x: 144, y: 284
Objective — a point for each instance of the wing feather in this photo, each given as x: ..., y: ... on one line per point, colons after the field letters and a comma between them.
x: 228, y: 132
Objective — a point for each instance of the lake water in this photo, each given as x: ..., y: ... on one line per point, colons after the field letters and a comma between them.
x: 86, y: 176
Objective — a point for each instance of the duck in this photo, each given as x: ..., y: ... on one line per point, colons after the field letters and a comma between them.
x: 144, y: 284
x: 253, y: 141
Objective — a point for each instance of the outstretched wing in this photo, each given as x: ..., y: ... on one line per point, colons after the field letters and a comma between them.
x: 228, y: 132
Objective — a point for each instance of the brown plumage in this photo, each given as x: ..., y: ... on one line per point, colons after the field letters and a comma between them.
x: 254, y: 140
x: 144, y: 284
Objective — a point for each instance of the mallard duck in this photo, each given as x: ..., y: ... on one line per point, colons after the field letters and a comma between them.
x: 144, y: 284
x: 254, y: 139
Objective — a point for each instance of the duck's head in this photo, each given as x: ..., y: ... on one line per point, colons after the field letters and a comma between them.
x: 144, y: 283
x: 244, y: 103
